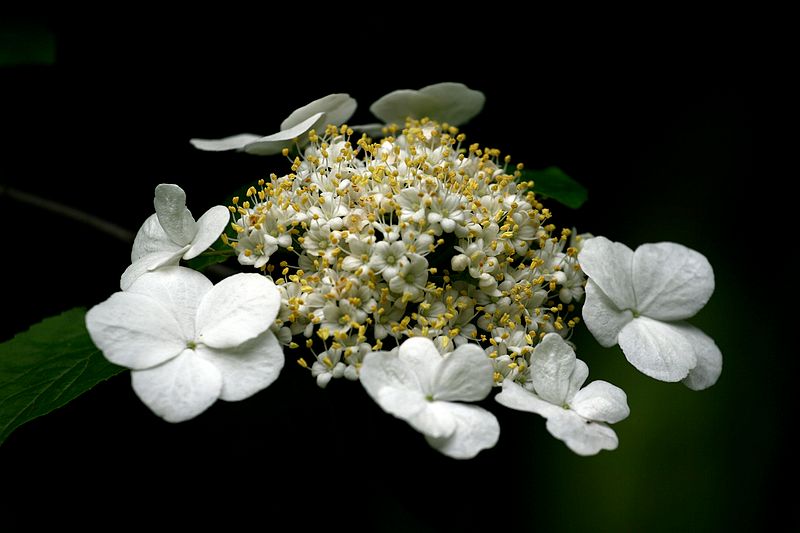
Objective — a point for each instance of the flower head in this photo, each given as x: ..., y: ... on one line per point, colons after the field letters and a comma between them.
x: 365, y: 237
x: 332, y: 109
x: 576, y: 415
x: 417, y: 384
x: 640, y: 300
x: 188, y: 342
x: 172, y: 234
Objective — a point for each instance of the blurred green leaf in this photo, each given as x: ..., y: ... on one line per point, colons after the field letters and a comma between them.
x: 46, y: 367
x: 219, y: 252
x: 26, y: 43
x: 553, y: 183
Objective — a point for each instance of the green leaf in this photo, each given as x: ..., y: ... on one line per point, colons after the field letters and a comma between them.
x: 26, y: 43
x: 46, y: 367
x: 219, y: 252
x: 553, y: 183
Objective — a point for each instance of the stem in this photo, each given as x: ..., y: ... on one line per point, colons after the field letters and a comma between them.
x: 105, y: 226
x: 70, y: 212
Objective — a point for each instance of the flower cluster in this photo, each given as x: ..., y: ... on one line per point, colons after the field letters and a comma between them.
x: 416, y: 235
x: 424, y: 266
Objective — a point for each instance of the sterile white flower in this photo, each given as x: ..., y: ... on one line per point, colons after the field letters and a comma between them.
x: 640, y: 300
x: 332, y: 109
x: 453, y: 103
x: 417, y: 384
x: 172, y: 233
x: 575, y: 415
x: 188, y: 342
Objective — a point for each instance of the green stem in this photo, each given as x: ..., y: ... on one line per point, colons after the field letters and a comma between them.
x: 69, y: 212
x: 98, y: 223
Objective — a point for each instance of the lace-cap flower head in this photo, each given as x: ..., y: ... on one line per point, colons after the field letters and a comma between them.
x: 640, y: 300
x: 172, y: 234
x: 331, y: 109
x: 189, y: 342
x: 424, y: 267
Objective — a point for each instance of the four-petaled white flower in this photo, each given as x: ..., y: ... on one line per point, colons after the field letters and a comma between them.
x: 578, y: 416
x: 417, y: 384
x: 453, y: 103
x: 188, y: 342
x: 640, y: 300
x: 332, y: 109
x: 172, y: 233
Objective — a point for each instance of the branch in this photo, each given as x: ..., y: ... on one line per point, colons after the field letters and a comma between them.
x: 70, y: 212
x: 105, y: 226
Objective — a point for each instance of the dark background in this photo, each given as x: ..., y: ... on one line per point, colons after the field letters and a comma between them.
x: 662, y: 136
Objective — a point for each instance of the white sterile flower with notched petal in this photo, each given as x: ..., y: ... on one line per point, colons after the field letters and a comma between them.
x: 578, y: 416
x: 332, y: 109
x: 453, y: 103
x: 640, y: 300
x: 417, y: 384
x: 189, y: 342
x: 172, y: 234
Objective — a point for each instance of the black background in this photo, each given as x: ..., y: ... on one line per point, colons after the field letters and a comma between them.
x: 660, y: 130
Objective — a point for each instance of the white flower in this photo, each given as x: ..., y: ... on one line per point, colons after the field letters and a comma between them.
x: 416, y: 384
x: 411, y: 278
x: 328, y: 366
x: 453, y: 103
x: 332, y: 109
x: 387, y: 258
x: 172, y: 233
x: 640, y: 299
x: 189, y: 342
x: 575, y: 415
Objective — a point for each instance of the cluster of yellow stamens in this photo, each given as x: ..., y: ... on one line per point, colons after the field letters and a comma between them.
x: 418, y: 234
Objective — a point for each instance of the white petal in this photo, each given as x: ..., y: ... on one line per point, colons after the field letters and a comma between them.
x: 385, y: 370
x: 602, y: 317
x: 178, y: 290
x: 610, y: 266
x: 466, y: 375
x: 514, y: 396
x: 709, y: 359
x: 247, y: 369
x: 374, y: 130
x: 581, y: 436
x: 148, y: 263
x: 176, y: 220
x: 338, y: 109
x: 135, y: 331
x: 395, y: 107
x: 453, y: 103
x: 476, y: 429
x: 577, y: 378
x: 234, y: 142
x: 209, y: 227
x: 434, y: 419
x: 602, y: 402
x: 422, y: 357
x: 179, y: 389
x: 672, y: 282
x: 236, y: 310
x: 273, y: 144
x: 150, y: 239
x: 552, y: 365
x: 657, y: 349
x: 394, y: 386
x: 457, y: 103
